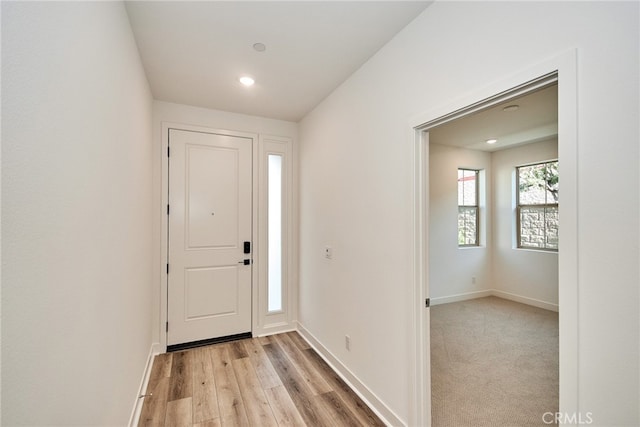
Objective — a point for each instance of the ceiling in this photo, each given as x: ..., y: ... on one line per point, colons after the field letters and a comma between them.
x: 194, y: 52
x: 536, y: 119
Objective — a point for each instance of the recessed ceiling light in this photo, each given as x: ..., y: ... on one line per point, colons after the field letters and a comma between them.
x: 491, y: 141
x: 247, y: 81
x: 259, y: 47
x: 511, y: 108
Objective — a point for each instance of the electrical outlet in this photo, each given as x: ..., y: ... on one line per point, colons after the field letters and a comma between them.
x: 473, y: 280
x: 347, y: 342
x: 328, y: 252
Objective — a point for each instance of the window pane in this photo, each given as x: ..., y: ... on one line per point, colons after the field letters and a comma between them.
x: 274, y: 233
x: 551, y: 182
x: 551, y: 227
x: 467, y: 187
x: 460, y: 187
x: 539, y: 227
x: 531, y: 180
x: 538, y: 184
x: 467, y: 226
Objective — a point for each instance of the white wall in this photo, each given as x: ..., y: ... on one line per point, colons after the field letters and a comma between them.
x: 214, y: 119
x: 76, y: 230
x: 356, y: 186
x: 527, y: 276
x: 452, y: 267
x: 521, y: 272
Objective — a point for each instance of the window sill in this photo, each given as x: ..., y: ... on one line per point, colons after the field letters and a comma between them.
x: 542, y: 251
x: 472, y: 247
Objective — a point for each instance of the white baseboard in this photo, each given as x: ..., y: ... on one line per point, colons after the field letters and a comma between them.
x: 496, y: 293
x: 137, y: 406
x: 461, y: 297
x: 381, y: 410
x: 525, y: 300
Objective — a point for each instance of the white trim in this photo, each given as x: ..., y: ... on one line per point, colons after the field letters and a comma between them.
x: 525, y: 300
x: 137, y: 406
x: 495, y: 293
x: 373, y: 402
x: 419, y: 335
x: 565, y: 65
x: 568, y: 296
x: 265, y: 322
x: 461, y: 297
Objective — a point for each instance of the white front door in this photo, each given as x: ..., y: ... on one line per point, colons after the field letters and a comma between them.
x: 210, y: 193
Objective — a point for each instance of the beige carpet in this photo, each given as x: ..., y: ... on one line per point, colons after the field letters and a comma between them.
x: 494, y: 362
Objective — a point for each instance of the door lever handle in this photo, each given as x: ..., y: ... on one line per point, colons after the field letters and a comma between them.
x: 245, y: 262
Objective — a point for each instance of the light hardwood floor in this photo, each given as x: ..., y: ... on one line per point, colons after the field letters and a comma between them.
x: 270, y: 381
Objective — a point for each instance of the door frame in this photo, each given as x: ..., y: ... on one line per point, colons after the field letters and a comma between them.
x: 164, y: 240
x: 565, y: 67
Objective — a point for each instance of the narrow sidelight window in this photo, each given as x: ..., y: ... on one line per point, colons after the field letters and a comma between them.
x: 537, y: 207
x: 468, y: 212
x: 274, y: 235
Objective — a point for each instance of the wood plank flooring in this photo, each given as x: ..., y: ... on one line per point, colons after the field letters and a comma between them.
x: 269, y: 381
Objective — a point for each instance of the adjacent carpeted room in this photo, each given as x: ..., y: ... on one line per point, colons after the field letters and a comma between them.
x: 494, y: 362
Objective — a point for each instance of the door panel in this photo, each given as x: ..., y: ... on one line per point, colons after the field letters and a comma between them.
x: 212, y: 210
x: 211, y: 291
x: 209, y: 287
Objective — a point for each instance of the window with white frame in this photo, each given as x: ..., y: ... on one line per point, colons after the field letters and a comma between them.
x: 276, y: 296
x: 468, y: 211
x: 274, y: 232
x: 537, y: 206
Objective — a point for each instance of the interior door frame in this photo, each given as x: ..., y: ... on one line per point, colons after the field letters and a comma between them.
x: 164, y: 277
x: 564, y: 68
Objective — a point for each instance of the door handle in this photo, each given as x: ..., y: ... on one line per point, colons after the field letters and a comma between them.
x: 245, y: 262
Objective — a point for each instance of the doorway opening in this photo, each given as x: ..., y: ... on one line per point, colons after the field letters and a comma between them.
x: 561, y: 71
x: 494, y: 263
